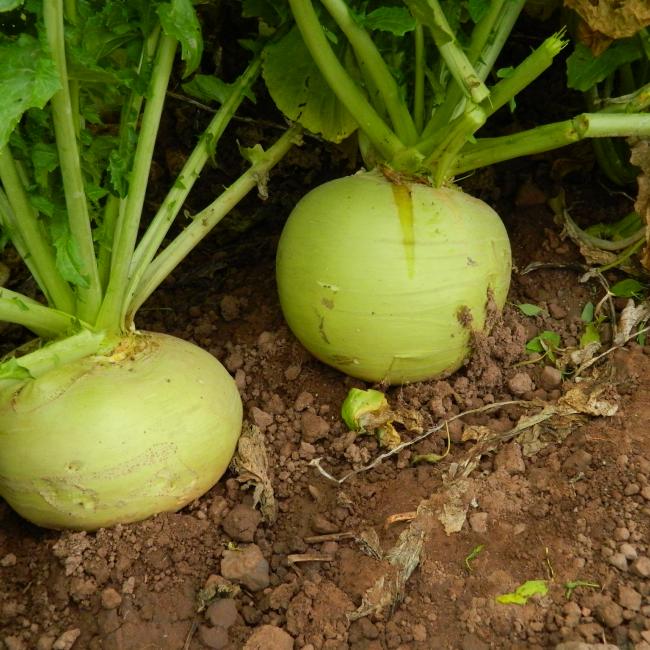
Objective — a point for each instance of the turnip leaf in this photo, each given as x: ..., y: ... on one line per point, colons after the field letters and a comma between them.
x: 301, y: 93
x: 584, y: 70
x: 178, y: 19
x: 395, y: 20
x: 28, y: 79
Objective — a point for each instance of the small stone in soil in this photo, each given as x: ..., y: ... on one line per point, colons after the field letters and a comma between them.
x: 303, y: 400
x: 67, y: 639
x: 629, y: 551
x: 45, y: 642
x: 111, y: 598
x: 629, y: 598
x: 230, y: 308
x: 313, y: 426
x: 557, y: 311
x: 14, y: 643
x: 8, y: 560
x: 478, y: 522
x: 520, y: 383
x: 261, y: 418
x: 510, y: 459
x: 213, y: 637
x: 292, y: 372
x: 641, y: 567
x: 246, y: 566
x: 269, y: 636
x: 550, y: 378
x: 621, y: 534
x: 320, y: 524
x: 234, y: 361
x: 218, y: 506
x: 241, y: 523
x: 578, y: 461
x: 619, y: 561
x: 222, y: 613
x: 609, y: 613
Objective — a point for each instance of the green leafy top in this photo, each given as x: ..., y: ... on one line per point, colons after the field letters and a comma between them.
x: 82, y: 89
x: 419, y: 78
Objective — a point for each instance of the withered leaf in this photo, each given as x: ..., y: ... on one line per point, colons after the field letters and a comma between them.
x: 614, y: 18
x: 251, y: 463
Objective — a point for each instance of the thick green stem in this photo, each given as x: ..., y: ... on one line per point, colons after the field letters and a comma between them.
x: 129, y: 118
x: 65, y: 128
x: 126, y: 231
x: 550, y: 136
x: 430, y: 13
x: 105, y: 244
x: 444, y: 156
x: 205, y: 220
x: 7, y: 221
x: 45, y: 321
x: 21, y: 221
x: 70, y: 10
x: 487, y: 41
x: 418, y: 84
x: 372, y: 64
x: 348, y: 92
x: 485, y: 49
x: 524, y: 74
x: 635, y: 102
x: 171, y: 206
x: 55, y: 355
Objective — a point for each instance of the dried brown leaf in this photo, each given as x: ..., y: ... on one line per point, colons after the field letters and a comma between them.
x: 388, y: 589
x: 454, y: 509
x: 374, y: 600
x: 597, y: 400
x: 368, y: 541
x: 251, y: 463
x: 614, y: 18
x: 477, y: 432
x: 630, y: 317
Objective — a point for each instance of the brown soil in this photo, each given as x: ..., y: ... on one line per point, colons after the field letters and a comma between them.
x: 568, y: 500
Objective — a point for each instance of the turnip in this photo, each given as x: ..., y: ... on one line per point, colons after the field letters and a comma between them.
x: 101, y: 423
x: 393, y: 295
x: 152, y: 425
x: 388, y: 274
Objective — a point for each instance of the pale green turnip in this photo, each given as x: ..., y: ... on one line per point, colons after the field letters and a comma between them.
x: 387, y: 281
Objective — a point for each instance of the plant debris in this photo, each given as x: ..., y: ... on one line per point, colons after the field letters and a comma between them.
x: 251, y: 464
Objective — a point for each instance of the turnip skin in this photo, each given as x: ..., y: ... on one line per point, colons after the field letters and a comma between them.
x: 117, y: 439
x: 380, y: 298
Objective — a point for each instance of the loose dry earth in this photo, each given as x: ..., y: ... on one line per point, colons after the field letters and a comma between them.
x: 567, y: 501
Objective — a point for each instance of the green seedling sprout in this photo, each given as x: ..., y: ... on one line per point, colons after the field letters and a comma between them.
x: 547, y: 343
x: 572, y: 585
x: 628, y: 288
x: 527, y: 309
x: 522, y: 594
x: 473, y: 554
